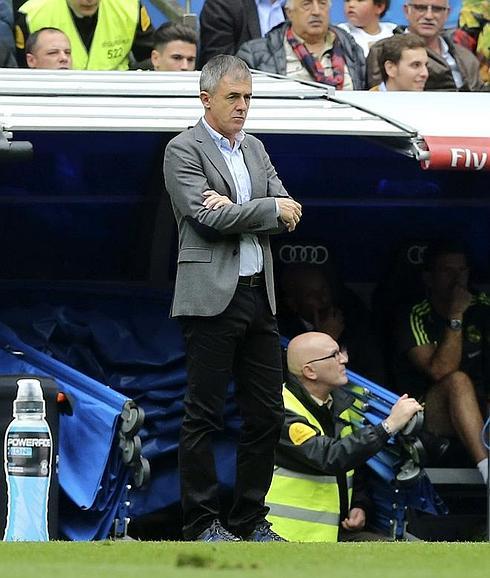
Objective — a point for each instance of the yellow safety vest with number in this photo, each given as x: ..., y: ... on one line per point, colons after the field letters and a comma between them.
x: 113, y: 37
x: 306, y: 508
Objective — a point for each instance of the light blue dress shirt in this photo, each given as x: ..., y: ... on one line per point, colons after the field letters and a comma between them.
x: 251, y: 258
x: 270, y: 15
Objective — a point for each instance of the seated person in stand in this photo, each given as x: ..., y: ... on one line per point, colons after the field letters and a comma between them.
x: 174, y: 48
x: 442, y: 349
x: 48, y: 48
x: 451, y: 67
x: 315, y: 496
x: 306, y: 47
x: 403, y: 64
x: 364, y: 22
x: 313, y: 299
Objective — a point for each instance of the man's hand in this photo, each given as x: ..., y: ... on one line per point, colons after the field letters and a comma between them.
x: 355, y: 521
x: 460, y: 301
x: 401, y: 413
x: 213, y: 200
x: 289, y: 212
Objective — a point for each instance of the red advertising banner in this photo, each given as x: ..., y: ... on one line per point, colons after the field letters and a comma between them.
x: 457, y: 153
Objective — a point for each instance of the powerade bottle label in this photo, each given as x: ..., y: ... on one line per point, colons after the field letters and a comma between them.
x: 28, y: 455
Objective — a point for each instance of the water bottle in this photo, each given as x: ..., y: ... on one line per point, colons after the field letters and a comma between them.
x: 28, y: 456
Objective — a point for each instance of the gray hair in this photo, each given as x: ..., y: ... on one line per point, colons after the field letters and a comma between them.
x: 218, y: 67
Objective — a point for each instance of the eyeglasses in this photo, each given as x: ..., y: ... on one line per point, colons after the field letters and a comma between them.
x: 423, y: 8
x: 342, y: 352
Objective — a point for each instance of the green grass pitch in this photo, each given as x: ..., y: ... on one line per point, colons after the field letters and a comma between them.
x: 185, y: 560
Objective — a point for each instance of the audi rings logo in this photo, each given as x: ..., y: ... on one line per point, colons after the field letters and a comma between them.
x: 415, y: 254
x: 316, y: 255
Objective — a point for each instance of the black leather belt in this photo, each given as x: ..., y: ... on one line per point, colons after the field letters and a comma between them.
x: 255, y: 280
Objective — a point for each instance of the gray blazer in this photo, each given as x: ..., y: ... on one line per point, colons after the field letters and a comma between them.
x: 209, y: 241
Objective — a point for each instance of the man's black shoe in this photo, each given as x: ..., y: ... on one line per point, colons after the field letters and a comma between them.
x: 216, y: 533
x: 263, y: 533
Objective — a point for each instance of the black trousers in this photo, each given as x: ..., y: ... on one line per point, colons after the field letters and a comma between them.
x: 243, y: 343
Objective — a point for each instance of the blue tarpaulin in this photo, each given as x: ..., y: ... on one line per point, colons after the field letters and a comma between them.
x: 130, y: 344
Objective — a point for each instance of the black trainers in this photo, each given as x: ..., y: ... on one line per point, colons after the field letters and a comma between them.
x: 263, y: 533
x: 216, y: 533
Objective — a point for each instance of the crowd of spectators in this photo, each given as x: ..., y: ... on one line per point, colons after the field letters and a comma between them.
x: 289, y: 37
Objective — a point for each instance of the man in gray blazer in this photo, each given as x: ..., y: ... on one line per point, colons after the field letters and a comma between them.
x: 227, y: 200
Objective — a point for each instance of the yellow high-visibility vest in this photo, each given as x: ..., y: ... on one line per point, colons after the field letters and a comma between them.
x: 305, y: 507
x: 113, y: 37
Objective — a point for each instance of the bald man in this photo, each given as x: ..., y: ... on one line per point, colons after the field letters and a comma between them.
x: 314, y: 493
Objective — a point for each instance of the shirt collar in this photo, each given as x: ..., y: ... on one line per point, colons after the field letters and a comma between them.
x: 444, y: 47
x: 219, y: 139
x: 328, y: 402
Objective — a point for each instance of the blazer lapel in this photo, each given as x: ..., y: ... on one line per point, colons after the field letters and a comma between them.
x: 212, y: 152
x: 257, y: 176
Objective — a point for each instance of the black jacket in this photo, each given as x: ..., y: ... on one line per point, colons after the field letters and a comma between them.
x: 329, y: 454
x: 225, y: 25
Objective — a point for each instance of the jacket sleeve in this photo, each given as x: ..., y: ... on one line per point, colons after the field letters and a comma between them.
x: 218, y: 29
x: 143, y: 40
x: 354, y: 56
x: 360, y: 497
x: 248, y: 51
x: 360, y: 68
x: 7, y: 46
x: 21, y: 31
x: 470, y: 69
x: 323, y: 454
x: 186, y: 180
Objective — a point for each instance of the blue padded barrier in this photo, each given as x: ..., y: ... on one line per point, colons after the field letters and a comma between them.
x: 131, y: 345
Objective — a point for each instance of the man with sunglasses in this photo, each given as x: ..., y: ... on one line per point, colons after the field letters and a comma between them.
x: 451, y: 67
x: 315, y: 495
